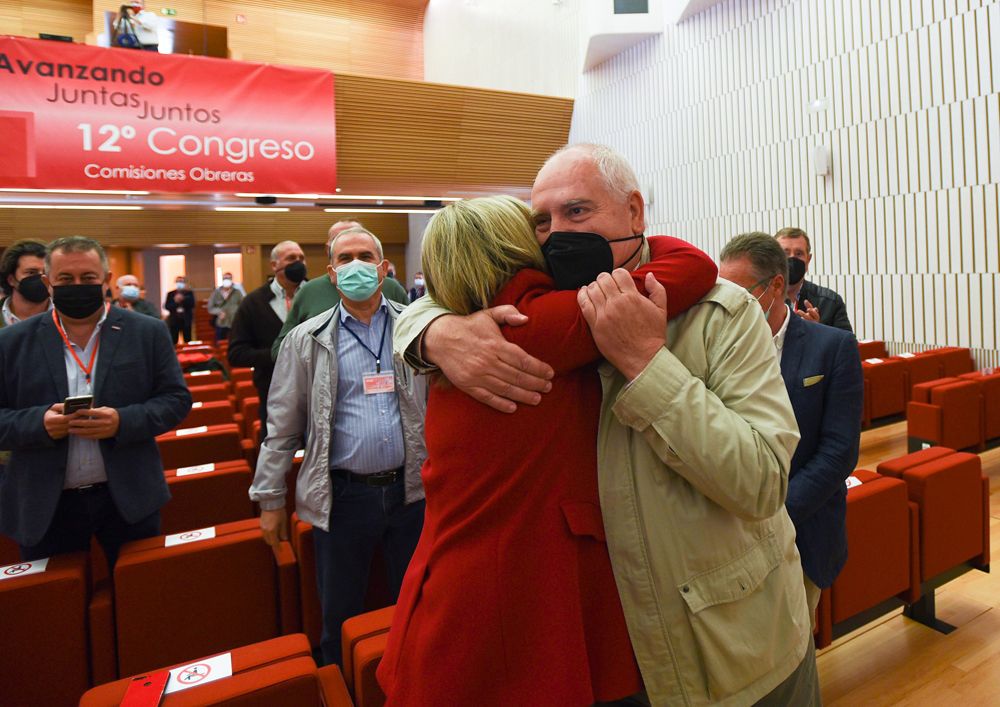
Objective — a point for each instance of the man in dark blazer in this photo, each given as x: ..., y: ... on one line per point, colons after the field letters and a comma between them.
x: 811, y: 301
x: 822, y: 372
x: 180, y: 304
x: 96, y: 471
x: 259, y: 319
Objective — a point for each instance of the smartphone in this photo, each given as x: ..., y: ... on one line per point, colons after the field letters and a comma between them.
x: 77, y: 402
x: 146, y: 690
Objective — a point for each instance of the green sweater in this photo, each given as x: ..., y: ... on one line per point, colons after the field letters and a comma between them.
x: 319, y: 295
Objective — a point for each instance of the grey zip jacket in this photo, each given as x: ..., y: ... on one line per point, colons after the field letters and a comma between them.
x: 301, y: 409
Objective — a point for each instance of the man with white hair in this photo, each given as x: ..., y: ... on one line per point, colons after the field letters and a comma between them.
x: 320, y: 294
x: 695, y: 439
x: 129, y: 297
x: 260, y: 316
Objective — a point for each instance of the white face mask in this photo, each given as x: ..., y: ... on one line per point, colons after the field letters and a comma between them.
x: 418, y: 282
x: 180, y: 284
x: 227, y: 282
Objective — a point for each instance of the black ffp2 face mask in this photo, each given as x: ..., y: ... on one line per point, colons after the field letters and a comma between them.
x: 796, y: 271
x: 77, y: 301
x: 295, y: 272
x: 576, y: 258
x: 33, y: 289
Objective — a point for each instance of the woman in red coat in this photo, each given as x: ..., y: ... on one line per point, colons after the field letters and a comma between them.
x: 510, y: 598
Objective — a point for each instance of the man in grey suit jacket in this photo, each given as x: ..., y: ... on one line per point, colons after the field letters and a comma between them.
x: 95, y: 471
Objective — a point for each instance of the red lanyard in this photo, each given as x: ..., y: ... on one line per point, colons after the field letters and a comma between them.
x: 88, y: 369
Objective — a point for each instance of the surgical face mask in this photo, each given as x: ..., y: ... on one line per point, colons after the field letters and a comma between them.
x: 765, y: 282
x: 796, y: 271
x: 130, y: 292
x: 357, y: 280
x: 295, y: 272
x: 33, y: 289
x: 78, y: 301
x: 227, y: 282
x: 180, y: 284
x: 576, y: 258
x: 418, y: 282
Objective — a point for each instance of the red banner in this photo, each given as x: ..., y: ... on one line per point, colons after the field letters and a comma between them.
x: 82, y: 117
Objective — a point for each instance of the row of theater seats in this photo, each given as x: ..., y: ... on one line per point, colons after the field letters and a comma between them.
x: 889, y: 380
x: 172, y: 598
x: 961, y: 412
x: 919, y: 521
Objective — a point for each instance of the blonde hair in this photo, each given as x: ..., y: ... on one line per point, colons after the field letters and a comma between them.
x: 472, y: 248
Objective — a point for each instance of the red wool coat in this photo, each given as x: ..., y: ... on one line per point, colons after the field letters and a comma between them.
x: 509, y: 598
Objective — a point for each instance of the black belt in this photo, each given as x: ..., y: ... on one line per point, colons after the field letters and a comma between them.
x: 379, y: 478
x: 88, y: 488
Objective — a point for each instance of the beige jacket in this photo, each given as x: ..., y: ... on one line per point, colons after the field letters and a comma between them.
x: 693, y: 460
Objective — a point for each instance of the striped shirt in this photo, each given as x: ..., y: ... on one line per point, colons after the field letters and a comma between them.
x: 367, y: 430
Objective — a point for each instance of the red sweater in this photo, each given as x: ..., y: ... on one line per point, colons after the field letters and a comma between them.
x: 510, y: 597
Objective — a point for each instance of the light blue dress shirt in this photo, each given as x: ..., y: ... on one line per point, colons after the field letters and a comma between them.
x: 367, y: 430
x: 84, y: 463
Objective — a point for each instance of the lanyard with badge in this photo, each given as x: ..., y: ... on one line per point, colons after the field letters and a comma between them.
x: 376, y: 382
x: 88, y: 369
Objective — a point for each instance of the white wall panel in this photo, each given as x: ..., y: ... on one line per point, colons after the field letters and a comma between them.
x: 717, y: 118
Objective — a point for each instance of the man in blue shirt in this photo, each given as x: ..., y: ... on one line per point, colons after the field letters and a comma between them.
x: 337, y: 386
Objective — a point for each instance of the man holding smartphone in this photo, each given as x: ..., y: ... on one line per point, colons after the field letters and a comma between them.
x: 84, y: 391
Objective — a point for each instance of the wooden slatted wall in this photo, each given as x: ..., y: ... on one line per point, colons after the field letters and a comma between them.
x: 907, y: 226
x: 29, y: 18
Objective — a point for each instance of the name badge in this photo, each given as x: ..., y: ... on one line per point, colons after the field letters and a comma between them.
x: 379, y: 383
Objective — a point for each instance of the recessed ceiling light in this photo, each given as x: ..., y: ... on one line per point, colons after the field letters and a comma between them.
x: 79, y: 207
x: 254, y: 209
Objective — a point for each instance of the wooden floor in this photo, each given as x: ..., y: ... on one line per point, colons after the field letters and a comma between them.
x: 895, y: 661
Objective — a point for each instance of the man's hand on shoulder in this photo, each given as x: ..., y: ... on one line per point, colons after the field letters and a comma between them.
x: 95, y: 423
x: 628, y: 327
x: 472, y: 353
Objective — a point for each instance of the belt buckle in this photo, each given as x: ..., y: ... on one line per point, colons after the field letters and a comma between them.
x: 382, y: 478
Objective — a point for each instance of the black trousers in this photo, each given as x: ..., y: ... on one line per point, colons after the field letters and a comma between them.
x: 83, y: 514
x: 178, y: 327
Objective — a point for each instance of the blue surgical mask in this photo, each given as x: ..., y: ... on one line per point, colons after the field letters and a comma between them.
x: 357, y: 280
x: 130, y: 292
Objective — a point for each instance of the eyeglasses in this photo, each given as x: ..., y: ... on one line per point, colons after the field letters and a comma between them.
x: 765, y: 281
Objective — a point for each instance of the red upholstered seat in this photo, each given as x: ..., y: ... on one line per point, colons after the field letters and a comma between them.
x: 955, y: 360
x: 201, y: 597
x: 885, y: 388
x: 871, y: 349
x: 305, y: 553
x: 989, y: 389
x: 250, y: 410
x: 951, y: 493
x: 204, y: 378
x: 361, y: 628
x: 216, y: 443
x: 208, y: 494
x: 240, y: 374
x: 881, y: 537
x: 952, y: 417
x: 279, y: 671
x: 921, y: 392
x: 920, y: 368
x: 44, y: 623
x: 208, y: 393
x: 896, y: 467
x: 244, y: 389
x: 368, y: 654
x: 215, y: 412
